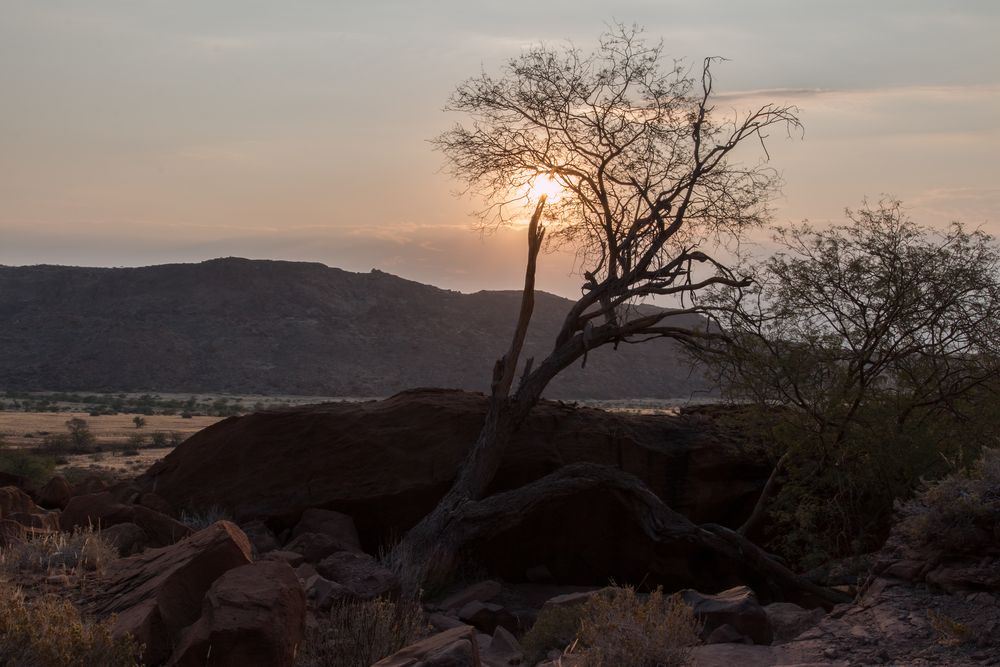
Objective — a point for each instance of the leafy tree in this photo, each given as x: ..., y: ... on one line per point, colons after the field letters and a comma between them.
x: 643, y: 167
x: 80, y: 437
x: 879, y: 338
x: 139, y: 421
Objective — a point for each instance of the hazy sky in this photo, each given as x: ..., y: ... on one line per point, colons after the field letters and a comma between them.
x: 150, y: 131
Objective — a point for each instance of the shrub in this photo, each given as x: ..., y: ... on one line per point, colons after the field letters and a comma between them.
x: 357, y: 634
x: 960, y: 513
x: 49, y: 632
x: 622, y: 629
x: 555, y: 628
x: 82, y: 549
x: 158, y: 439
x: 30, y: 465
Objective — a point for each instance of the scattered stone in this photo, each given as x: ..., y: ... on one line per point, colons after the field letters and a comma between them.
x: 314, y: 547
x: 324, y: 593
x: 482, y: 591
x: 443, y: 622
x: 14, y: 500
x: 291, y: 557
x: 360, y: 573
x: 91, y: 484
x: 305, y: 571
x: 127, y: 538
x: 40, y: 520
x: 55, y: 494
x: 261, y: 537
x: 335, y: 525
x: 251, y: 615
x: 101, y: 510
x: 503, y: 649
x: 487, y: 617
x: 159, y: 592
x: 727, y: 634
x: 157, y: 503
x: 452, y: 648
x: 737, y: 607
x: 790, y: 620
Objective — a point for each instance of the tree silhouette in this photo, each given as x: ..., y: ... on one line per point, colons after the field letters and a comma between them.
x: 644, y: 169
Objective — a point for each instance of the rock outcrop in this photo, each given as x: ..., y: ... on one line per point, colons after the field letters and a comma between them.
x: 386, y: 463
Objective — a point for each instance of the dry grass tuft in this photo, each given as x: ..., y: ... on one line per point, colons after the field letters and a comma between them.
x: 359, y: 633
x: 49, y: 632
x: 83, y: 549
x: 623, y: 629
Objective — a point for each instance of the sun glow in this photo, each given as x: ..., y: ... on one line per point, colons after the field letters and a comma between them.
x: 545, y: 184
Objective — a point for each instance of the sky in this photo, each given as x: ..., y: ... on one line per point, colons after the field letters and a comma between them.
x: 139, y: 132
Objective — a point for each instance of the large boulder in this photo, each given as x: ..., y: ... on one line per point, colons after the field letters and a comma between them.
x: 386, y: 463
x: 102, y: 510
x: 252, y: 615
x: 159, y: 592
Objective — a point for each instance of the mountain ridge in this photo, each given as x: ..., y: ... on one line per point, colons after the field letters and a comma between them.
x: 238, y: 325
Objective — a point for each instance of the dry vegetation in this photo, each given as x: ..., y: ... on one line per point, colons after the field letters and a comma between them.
x: 39, y: 626
x: 28, y: 429
x: 357, y: 634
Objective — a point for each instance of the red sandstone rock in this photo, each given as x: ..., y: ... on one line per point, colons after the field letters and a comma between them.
x: 159, y: 592
x: 252, y: 615
x: 102, y: 510
x: 452, y: 648
x: 55, y: 494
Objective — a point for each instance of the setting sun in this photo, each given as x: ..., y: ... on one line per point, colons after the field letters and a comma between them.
x: 545, y: 184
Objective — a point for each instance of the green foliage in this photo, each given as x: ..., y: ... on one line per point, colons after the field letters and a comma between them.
x: 50, y: 632
x: 877, y: 342
x: 359, y: 633
x: 28, y: 464
x: 623, y: 629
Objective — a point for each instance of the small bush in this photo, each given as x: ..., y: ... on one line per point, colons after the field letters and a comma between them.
x: 624, y: 630
x: 49, y: 632
x: 357, y: 634
x: 555, y: 628
x: 82, y: 549
x: 950, y: 632
x: 960, y: 513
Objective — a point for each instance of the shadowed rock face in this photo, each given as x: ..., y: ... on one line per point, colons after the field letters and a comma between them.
x: 252, y: 326
x: 386, y: 463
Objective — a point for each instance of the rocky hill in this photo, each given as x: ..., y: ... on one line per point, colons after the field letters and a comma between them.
x: 250, y: 326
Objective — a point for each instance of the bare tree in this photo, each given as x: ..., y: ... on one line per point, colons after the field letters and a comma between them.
x: 645, y: 172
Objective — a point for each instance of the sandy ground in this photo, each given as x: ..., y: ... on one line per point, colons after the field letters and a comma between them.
x: 28, y: 429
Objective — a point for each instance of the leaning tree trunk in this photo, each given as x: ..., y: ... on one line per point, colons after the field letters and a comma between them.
x: 429, y: 550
